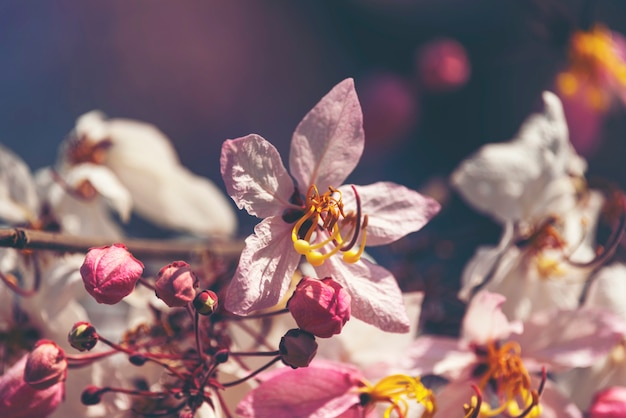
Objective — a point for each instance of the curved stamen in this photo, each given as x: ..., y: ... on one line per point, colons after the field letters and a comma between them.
x: 357, y: 228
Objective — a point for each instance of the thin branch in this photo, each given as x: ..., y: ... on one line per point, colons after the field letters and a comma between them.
x: 22, y: 238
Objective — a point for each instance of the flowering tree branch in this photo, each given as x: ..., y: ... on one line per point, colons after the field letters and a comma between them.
x: 27, y: 239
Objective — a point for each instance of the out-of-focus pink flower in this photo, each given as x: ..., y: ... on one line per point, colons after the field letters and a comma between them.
x: 110, y: 273
x: 327, y: 223
x: 46, y: 365
x: 176, y: 284
x: 328, y: 390
x: 18, y: 399
x: 390, y: 110
x: 490, y: 354
x: 321, y: 307
x: 609, y: 403
x: 443, y: 65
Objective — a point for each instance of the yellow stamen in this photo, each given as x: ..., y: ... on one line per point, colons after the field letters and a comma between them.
x: 396, y: 390
x: 325, y: 215
x: 595, y: 61
x: 507, y: 373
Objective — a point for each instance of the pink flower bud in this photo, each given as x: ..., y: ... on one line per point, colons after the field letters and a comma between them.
x: 297, y: 348
x: 110, y: 273
x: 46, y: 365
x: 205, y: 302
x: 609, y: 403
x: 82, y: 336
x: 443, y: 65
x: 321, y: 307
x: 18, y: 399
x: 175, y: 284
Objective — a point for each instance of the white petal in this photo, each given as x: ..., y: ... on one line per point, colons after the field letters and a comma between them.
x: 18, y: 196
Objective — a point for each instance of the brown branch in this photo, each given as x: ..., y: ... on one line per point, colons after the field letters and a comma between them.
x: 22, y: 238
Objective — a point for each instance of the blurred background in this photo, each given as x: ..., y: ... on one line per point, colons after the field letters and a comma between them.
x: 436, y: 79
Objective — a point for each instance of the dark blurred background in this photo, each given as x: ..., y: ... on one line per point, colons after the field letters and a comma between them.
x: 204, y: 71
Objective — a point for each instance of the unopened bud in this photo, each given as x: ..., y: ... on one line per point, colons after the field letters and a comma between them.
x: 205, y: 302
x: 609, y: 403
x: 137, y: 359
x: 110, y: 273
x: 221, y: 356
x: 82, y: 336
x: 92, y: 395
x: 175, y: 284
x: 321, y: 307
x: 297, y: 348
x: 45, y: 366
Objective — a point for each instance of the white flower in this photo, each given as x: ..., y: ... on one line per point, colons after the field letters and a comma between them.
x: 143, y: 160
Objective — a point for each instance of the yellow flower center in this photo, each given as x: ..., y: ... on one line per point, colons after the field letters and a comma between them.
x: 397, y: 390
x: 595, y: 61
x: 324, y: 216
x: 506, y: 373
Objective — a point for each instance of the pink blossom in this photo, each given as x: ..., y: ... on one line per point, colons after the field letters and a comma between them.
x: 317, y: 217
x: 18, y: 399
x: 321, y: 307
x: 175, y: 284
x: 609, y: 403
x: 558, y: 340
x: 327, y: 390
x: 110, y: 273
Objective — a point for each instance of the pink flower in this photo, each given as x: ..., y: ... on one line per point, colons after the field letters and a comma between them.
x: 175, y: 284
x: 18, y: 399
x: 110, y: 273
x: 327, y: 389
x: 489, y: 355
x: 316, y: 217
x: 609, y: 403
x: 321, y: 307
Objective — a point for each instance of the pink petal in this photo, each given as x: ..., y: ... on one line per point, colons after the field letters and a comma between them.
x: 393, y: 210
x: 484, y: 320
x: 265, y: 268
x: 255, y: 176
x: 321, y: 390
x: 554, y: 404
x: 443, y: 356
x: 577, y: 338
x: 329, y: 141
x: 376, y: 297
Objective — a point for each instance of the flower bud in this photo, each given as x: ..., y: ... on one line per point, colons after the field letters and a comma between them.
x: 19, y: 399
x: 110, y: 273
x: 92, y: 395
x: 609, y: 403
x: 205, y: 302
x: 175, y: 284
x: 297, y: 348
x: 82, y: 336
x: 321, y: 307
x: 46, y: 365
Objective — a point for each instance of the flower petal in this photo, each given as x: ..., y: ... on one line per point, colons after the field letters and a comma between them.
x: 577, y: 338
x: 255, y: 176
x: 484, y: 320
x: 321, y: 390
x: 265, y: 268
x: 393, y: 210
x: 18, y: 195
x: 329, y: 141
x: 376, y: 297
x: 443, y: 356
